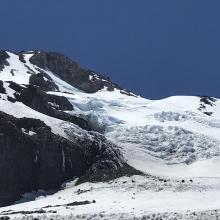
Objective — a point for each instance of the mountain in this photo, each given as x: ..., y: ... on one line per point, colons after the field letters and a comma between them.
x: 75, y: 145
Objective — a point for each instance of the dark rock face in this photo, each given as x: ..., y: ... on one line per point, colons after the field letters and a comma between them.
x: 71, y: 72
x: 3, y: 59
x: 2, y: 89
x: 21, y: 58
x: 207, y: 100
x: 45, y: 85
x: 204, y: 101
x: 32, y: 157
x: 50, y: 105
x: 23, y: 165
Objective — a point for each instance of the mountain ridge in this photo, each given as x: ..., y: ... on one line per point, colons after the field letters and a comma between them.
x: 33, y: 94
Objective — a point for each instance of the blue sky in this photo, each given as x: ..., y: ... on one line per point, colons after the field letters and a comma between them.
x: 155, y: 48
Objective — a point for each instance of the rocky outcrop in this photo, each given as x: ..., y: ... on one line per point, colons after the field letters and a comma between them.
x: 207, y: 100
x: 32, y: 158
x: 40, y: 81
x: 3, y: 59
x: 2, y: 89
x: 204, y: 102
x: 71, y: 72
x: 21, y: 57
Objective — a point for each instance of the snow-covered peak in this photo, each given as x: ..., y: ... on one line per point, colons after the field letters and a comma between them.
x: 172, y: 138
x: 116, y: 113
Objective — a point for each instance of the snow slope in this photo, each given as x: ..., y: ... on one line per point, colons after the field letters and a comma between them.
x: 126, y: 198
x: 174, y: 141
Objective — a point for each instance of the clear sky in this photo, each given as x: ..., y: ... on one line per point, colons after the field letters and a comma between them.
x: 156, y: 48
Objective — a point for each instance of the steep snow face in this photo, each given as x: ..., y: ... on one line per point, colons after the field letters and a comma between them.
x: 17, y: 71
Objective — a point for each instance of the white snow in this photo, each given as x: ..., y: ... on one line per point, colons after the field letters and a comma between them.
x: 171, y: 131
x: 19, y: 110
x: 170, y: 139
x: 31, y: 133
x: 135, y: 196
x: 16, y: 71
